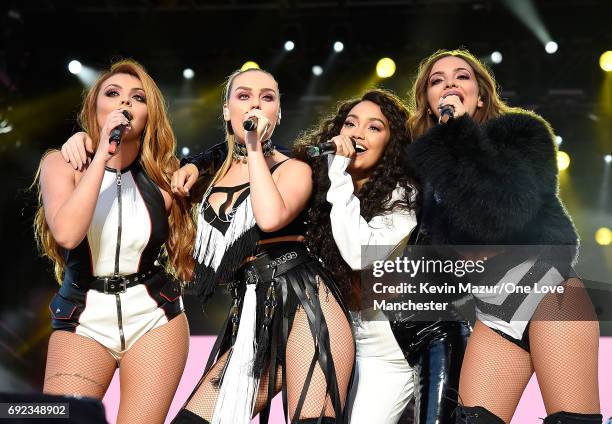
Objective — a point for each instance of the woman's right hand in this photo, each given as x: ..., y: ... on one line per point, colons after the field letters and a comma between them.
x: 77, y: 150
x: 344, y: 146
x: 114, y: 119
x: 183, y: 179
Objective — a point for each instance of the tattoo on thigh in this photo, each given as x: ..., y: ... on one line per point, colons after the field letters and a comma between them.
x: 76, y: 375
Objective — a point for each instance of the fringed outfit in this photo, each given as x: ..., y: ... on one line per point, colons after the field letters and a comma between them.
x: 268, y: 284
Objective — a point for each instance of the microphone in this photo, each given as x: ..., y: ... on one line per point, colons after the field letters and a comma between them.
x: 323, y: 149
x: 116, y: 133
x: 250, y: 124
x: 446, y: 113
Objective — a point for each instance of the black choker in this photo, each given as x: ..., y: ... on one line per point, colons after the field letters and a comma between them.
x: 240, y: 152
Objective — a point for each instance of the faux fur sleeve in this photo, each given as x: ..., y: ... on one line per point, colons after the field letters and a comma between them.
x: 489, y: 179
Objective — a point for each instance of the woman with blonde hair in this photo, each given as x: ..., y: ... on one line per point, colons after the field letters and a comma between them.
x: 490, y: 178
x: 105, y: 227
x: 288, y: 328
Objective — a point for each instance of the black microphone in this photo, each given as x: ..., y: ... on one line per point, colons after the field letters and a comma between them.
x: 446, y: 113
x: 323, y: 149
x: 116, y: 133
x: 250, y: 124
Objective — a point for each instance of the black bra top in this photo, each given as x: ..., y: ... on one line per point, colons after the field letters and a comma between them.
x: 221, y: 220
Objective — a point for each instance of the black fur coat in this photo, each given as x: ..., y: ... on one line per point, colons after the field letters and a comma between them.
x: 494, y: 183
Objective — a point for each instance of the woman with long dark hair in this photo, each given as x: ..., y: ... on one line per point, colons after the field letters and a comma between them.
x: 364, y: 197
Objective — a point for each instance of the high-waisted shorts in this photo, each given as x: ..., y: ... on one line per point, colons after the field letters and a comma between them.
x: 116, y: 321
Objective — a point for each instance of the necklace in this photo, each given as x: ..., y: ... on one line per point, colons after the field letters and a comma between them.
x: 240, y: 152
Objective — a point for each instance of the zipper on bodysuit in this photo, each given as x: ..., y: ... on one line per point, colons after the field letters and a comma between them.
x: 117, y: 251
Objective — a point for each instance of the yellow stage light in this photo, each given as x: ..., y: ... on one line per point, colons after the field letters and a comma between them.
x: 605, y: 61
x: 563, y: 160
x: 385, y: 67
x: 603, y: 236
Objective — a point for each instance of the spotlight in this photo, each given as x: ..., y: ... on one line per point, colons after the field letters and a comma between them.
x: 75, y: 67
x: 5, y: 127
x: 338, y: 46
x: 249, y: 65
x: 317, y: 70
x: 551, y: 47
x: 608, y: 158
x: 496, y: 57
x: 385, y: 67
x: 289, y: 45
x: 605, y: 61
x: 188, y: 73
x: 603, y: 236
x: 563, y: 160
x: 558, y: 140
x: 185, y: 151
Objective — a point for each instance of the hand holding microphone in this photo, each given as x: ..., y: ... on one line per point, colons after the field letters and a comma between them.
x: 256, y: 126
x: 250, y: 124
x: 117, y: 132
x: 340, y: 145
x: 450, y: 107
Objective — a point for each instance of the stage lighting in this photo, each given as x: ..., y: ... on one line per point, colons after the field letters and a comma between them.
x: 496, y: 57
x: 185, y: 151
x: 249, y: 65
x: 608, y: 158
x: 603, y: 236
x: 289, y: 45
x: 338, y: 46
x: 188, y: 73
x: 551, y: 47
x: 558, y: 140
x: 385, y: 67
x: 75, y: 67
x: 317, y: 70
x: 605, y: 61
x: 563, y: 160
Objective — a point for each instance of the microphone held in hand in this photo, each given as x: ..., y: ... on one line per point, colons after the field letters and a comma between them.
x: 323, y: 149
x: 250, y: 124
x: 446, y: 113
x: 116, y: 133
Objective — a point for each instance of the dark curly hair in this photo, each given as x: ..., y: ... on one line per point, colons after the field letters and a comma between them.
x: 374, y: 195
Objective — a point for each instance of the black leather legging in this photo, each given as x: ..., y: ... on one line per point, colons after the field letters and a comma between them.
x: 435, y: 350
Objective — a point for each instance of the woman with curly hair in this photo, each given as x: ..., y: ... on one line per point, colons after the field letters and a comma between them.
x: 365, y: 198
x: 104, y: 226
x: 490, y: 174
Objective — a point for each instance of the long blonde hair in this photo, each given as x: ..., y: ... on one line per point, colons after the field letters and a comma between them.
x: 230, y: 137
x: 493, y: 105
x: 159, y: 162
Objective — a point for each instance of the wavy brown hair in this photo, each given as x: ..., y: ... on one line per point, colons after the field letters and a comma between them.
x: 374, y: 195
x: 493, y: 105
x: 158, y: 159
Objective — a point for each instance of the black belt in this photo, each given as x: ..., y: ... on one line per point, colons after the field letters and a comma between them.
x: 275, y: 260
x: 116, y: 283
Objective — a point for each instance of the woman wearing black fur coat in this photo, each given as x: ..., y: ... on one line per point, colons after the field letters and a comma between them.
x: 489, y: 177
